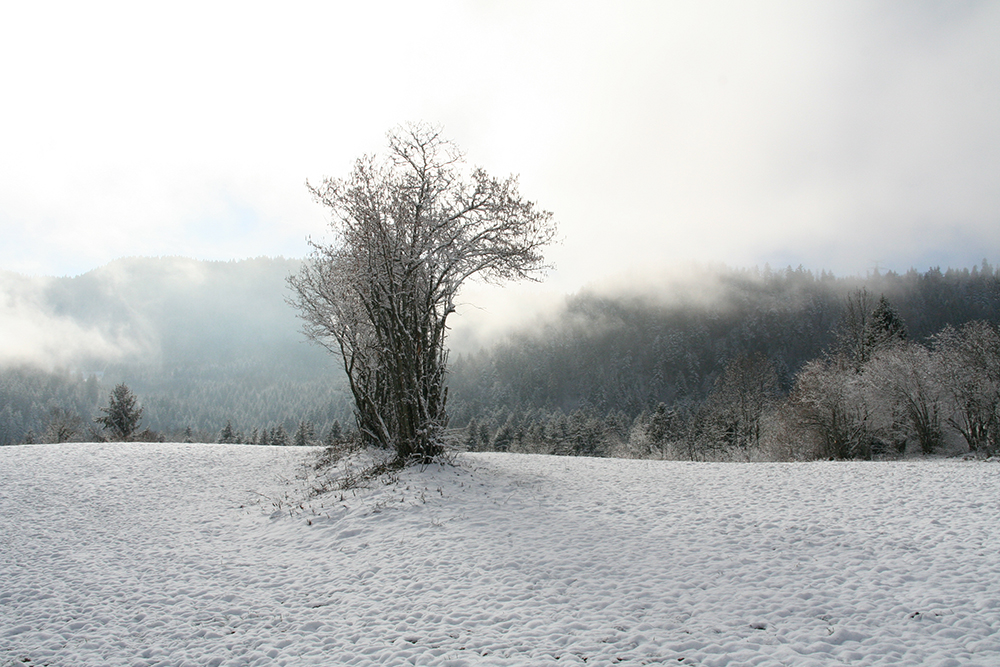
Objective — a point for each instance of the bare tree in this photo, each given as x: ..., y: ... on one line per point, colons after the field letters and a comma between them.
x: 829, y: 401
x: 63, y: 426
x: 409, y: 230
x: 903, y: 382
x: 968, y: 362
x: 851, y: 333
x: 744, y: 393
x: 839, y: 401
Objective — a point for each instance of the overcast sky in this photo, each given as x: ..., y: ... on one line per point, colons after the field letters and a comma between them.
x: 841, y: 136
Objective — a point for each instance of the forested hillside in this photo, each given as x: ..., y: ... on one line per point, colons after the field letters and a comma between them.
x: 203, y: 344
x: 613, y: 368
x: 632, y: 351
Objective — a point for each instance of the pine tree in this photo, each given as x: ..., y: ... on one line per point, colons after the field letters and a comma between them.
x: 472, y: 442
x: 228, y: 436
x: 278, y: 436
x: 334, y: 435
x: 304, y: 435
x: 660, y: 425
x: 122, y: 416
x: 885, y: 327
x: 504, y: 436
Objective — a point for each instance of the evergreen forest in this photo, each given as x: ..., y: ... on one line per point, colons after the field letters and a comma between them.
x: 727, y: 364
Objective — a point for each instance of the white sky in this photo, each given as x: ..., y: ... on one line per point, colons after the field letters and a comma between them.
x: 837, y: 135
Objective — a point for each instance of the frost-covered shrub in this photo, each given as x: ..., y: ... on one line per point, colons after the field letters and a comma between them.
x: 967, y: 363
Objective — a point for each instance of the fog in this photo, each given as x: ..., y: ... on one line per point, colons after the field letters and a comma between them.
x: 670, y: 141
x: 208, y: 343
x: 32, y: 333
x: 169, y: 312
x: 487, y: 314
x: 155, y: 313
x: 839, y: 135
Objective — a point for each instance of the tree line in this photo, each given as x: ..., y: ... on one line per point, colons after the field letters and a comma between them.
x: 780, y: 365
x: 42, y: 406
x: 783, y: 365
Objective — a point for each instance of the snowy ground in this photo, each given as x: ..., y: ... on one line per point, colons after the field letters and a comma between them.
x: 193, y: 555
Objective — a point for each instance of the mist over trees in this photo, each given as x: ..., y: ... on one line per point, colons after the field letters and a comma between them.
x: 765, y: 364
x: 201, y: 343
x: 632, y: 351
x: 653, y: 376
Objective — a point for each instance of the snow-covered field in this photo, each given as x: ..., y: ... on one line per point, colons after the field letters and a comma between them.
x: 193, y: 555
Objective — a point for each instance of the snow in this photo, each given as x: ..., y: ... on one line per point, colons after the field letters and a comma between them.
x: 169, y: 554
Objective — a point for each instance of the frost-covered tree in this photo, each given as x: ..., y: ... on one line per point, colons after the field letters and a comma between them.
x: 278, y: 437
x: 885, y: 327
x: 829, y: 400
x: 660, y: 426
x: 968, y: 363
x: 853, y: 399
x: 746, y: 390
x: 123, y: 414
x: 409, y: 229
x: 504, y: 437
x: 63, y: 426
x: 903, y: 383
x: 334, y: 435
x: 11, y: 425
x: 865, y: 327
x: 472, y: 440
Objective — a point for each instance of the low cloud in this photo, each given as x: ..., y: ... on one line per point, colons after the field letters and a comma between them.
x: 33, y: 334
